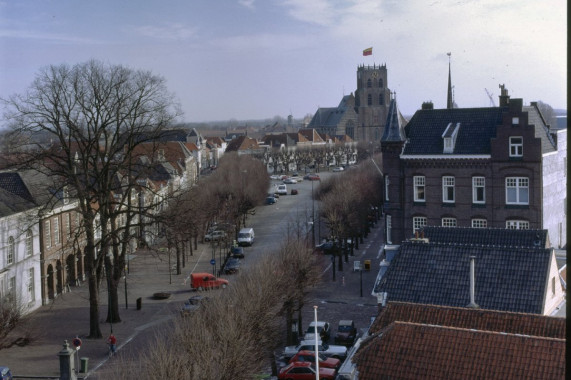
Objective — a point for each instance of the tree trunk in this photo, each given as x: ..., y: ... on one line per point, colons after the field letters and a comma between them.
x: 94, y: 330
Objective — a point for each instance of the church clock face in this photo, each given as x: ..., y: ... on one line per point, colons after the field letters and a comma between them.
x: 375, y: 74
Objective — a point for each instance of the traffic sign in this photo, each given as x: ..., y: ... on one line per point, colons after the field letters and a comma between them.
x: 76, y: 343
x: 212, y: 262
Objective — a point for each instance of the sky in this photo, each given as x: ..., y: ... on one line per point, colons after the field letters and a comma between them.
x: 256, y: 59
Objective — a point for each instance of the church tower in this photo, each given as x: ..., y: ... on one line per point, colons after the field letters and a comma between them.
x: 372, y: 99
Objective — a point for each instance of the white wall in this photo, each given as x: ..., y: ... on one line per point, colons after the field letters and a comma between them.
x: 554, y: 169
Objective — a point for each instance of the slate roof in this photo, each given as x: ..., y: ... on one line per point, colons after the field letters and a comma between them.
x: 13, y: 183
x: 468, y: 318
x: 417, y: 351
x: 394, y: 126
x: 477, y: 127
x: 487, y: 236
x: 541, y: 130
x: 507, y: 278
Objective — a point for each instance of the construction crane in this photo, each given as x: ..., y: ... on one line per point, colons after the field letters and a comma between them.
x: 491, y: 96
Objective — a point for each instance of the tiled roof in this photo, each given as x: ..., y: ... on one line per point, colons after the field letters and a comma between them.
x: 468, y: 318
x: 394, y: 126
x: 541, y: 129
x: 477, y: 127
x: 507, y: 278
x: 13, y: 183
x: 242, y: 143
x: 311, y: 135
x: 417, y: 351
x: 487, y: 236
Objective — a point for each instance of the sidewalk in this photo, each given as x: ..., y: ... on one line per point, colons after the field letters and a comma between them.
x: 68, y: 317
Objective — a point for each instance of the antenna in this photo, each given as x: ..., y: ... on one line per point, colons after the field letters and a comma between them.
x: 491, y: 96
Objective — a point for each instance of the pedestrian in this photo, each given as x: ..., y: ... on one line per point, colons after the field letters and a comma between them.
x: 112, y: 342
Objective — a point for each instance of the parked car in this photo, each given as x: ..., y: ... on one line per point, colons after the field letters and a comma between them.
x: 294, y: 192
x: 309, y: 356
x: 338, y: 169
x: 305, y: 371
x: 232, y: 266
x: 237, y: 252
x: 270, y: 200
x: 323, y: 329
x: 325, y: 248
x: 192, y: 304
x: 289, y: 181
x: 5, y: 373
x: 246, y: 236
x: 275, y: 176
x: 205, y: 281
x: 282, y: 190
x: 346, y: 333
x: 330, y: 351
x: 215, y: 236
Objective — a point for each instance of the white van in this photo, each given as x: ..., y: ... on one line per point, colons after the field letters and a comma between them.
x: 246, y: 236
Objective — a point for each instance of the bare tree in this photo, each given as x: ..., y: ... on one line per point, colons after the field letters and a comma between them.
x: 93, y: 115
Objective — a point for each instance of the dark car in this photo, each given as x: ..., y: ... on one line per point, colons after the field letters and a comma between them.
x: 270, y: 200
x: 325, y: 248
x: 346, y: 333
x: 232, y: 266
x: 5, y: 373
x: 311, y: 177
x: 294, y: 192
x: 237, y: 252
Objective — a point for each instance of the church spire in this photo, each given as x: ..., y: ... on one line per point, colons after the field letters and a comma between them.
x: 450, y: 101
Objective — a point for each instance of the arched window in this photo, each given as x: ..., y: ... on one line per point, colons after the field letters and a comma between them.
x: 369, y: 100
x: 381, y: 82
x: 11, y: 251
x: 381, y: 99
x: 369, y: 83
x: 29, y: 243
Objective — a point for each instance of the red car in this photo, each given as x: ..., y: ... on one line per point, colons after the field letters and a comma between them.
x: 312, y: 177
x: 309, y: 357
x: 303, y: 371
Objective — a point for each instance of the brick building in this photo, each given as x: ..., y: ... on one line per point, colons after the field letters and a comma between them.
x: 498, y: 167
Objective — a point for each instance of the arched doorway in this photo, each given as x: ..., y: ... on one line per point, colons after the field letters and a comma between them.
x: 59, y: 277
x: 70, y: 269
x: 50, y: 282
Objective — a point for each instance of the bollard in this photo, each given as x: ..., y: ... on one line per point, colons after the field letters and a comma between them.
x: 83, y: 365
x: 139, y: 302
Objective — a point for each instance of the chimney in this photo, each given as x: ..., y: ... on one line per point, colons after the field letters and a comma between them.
x: 427, y: 105
x: 472, y: 303
x: 504, y: 97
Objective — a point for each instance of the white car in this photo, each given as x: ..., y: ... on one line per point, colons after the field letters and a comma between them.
x: 338, y: 169
x: 281, y: 189
x: 331, y: 351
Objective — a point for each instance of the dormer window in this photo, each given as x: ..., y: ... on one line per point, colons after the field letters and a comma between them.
x: 449, y: 137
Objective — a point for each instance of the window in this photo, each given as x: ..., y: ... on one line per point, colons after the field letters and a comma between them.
x: 517, y: 190
x: 31, y: 293
x: 12, y: 285
x: 29, y: 243
x: 369, y: 83
x: 479, y: 223
x: 381, y: 82
x: 516, y: 146
x: 11, y: 250
x: 418, y: 222
x: 47, y: 233
x: 448, y: 189
x: 68, y: 224
x: 369, y: 100
x: 552, y: 286
x: 515, y: 120
x: 517, y: 225
x: 419, y: 195
x: 56, y: 230
x: 386, y: 187
x: 478, y: 189
x: 448, y: 222
x: 389, y: 228
x: 381, y: 99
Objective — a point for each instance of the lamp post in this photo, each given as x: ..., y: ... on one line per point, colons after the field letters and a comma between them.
x: 126, y: 303
x: 316, y: 344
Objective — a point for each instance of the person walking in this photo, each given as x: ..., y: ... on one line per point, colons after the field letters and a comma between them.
x: 112, y: 342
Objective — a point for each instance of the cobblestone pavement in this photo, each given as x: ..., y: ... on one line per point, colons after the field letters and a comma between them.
x: 68, y: 316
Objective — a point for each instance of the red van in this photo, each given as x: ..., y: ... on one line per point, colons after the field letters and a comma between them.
x: 205, y: 281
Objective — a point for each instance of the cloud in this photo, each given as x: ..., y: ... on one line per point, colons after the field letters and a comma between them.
x: 247, y: 3
x: 174, y: 31
x: 49, y: 37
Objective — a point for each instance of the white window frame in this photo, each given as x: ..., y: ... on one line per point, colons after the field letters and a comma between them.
x: 29, y: 243
x: 11, y: 286
x: 517, y: 190
x: 516, y: 146
x: 48, y: 233
x: 389, y: 228
x: 11, y: 256
x: 479, y: 223
x: 31, y: 290
x: 449, y: 222
x: 448, y: 189
x: 419, y: 183
x: 517, y: 224
x: 418, y: 222
x: 478, y: 183
x: 56, y: 231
